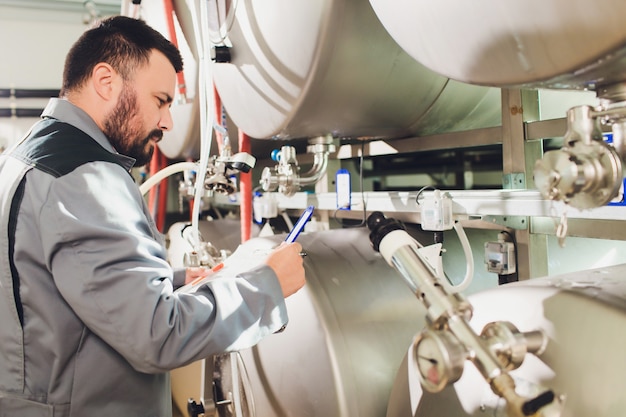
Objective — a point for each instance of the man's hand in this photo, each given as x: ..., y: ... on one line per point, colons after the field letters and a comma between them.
x: 286, y: 262
x: 197, y: 273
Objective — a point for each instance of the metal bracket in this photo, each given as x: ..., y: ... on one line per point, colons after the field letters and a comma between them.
x: 513, y: 222
x: 514, y: 181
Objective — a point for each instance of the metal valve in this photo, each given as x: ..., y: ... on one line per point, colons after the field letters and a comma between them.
x: 441, y: 350
x: 586, y: 172
x: 286, y: 178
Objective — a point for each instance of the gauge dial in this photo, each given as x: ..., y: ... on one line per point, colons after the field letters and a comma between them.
x: 439, y: 357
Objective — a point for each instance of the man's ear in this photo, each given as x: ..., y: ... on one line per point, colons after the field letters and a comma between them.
x: 105, y: 81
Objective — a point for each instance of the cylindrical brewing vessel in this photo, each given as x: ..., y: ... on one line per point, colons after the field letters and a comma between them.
x: 347, y: 333
x: 309, y: 68
x: 582, y: 313
x: 571, y: 44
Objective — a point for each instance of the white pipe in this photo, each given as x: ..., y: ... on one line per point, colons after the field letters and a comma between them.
x: 166, y: 172
x: 469, y: 260
x: 205, y: 97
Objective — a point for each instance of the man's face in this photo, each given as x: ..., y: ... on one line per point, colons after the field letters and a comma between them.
x: 142, y: 111
x: 125, y: 129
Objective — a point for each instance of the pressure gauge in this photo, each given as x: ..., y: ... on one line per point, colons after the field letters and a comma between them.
x: 439, y: 357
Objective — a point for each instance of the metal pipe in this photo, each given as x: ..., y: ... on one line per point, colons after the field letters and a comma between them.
x: 448, y: 313
x: 312, y: 176
x: 29, y: 92
x: 19, y: 112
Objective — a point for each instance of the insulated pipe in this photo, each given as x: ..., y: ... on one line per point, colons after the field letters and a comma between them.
x: 205, y: 98
x: 166, y: 172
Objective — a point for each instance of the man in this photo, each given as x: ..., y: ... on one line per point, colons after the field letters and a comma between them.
x: 90, y: 321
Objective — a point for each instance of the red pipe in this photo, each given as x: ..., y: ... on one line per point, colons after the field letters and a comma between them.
x: 217, y: 102
x: 153, y: 194
x: 157, y: 197
x: 245, y: 191
x: 169, y: 17
x: 163, y: 188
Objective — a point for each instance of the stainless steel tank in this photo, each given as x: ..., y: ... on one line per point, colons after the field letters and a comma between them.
x: 584, y: 316
x: 309, y: 68
x: 346, y: 336
x: 347, y: 333
x: 573, y: 44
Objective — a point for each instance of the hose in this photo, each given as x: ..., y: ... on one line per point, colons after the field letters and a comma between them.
x: 166, y: 172
x: 205, y: 99
x: 469, y: 261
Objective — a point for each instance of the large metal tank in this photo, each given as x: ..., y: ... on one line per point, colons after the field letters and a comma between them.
x: 572, y: 44
x: 309, y: 68
x: 584, y: 316
x: 347, y: 333
x: 346, y: 336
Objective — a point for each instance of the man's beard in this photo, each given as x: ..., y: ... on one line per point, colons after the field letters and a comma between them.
x: 126, y: 138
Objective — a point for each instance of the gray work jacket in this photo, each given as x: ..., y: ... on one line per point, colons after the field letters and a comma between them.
x: 90, y: 323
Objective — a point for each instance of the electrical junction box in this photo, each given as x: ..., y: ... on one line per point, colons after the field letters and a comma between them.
x: 500, y: 257
x: 436, y: 212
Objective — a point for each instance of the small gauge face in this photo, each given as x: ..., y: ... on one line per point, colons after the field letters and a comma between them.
x: 439, y: 359
x: 430, y: 361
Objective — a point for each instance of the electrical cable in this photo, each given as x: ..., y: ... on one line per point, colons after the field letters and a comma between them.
x: 421, y: 190
x: 469, y: 262
x: 467, y: 251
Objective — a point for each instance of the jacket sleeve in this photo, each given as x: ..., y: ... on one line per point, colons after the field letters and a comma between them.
x: 109, y: 265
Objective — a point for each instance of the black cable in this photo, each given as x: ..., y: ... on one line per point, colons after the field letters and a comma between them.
x: 421, y: 190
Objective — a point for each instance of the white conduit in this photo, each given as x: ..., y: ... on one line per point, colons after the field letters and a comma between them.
x: 469, y: 261
x: 166, y: 172
x: 205, y: 97
x: 205, y: 92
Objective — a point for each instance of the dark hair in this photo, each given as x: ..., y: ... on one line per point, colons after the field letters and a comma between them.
x: 122, y: 42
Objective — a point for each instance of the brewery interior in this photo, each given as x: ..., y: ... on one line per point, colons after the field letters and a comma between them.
x: 464, y: 161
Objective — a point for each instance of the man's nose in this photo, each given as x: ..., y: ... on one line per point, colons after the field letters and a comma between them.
x: 166, y: 122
